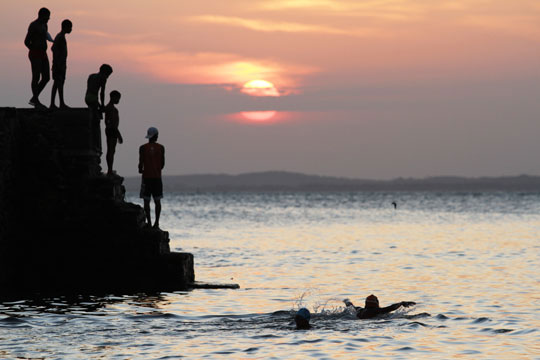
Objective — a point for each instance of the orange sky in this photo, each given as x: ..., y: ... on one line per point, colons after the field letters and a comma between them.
x: 321, y: 56
x: 287, y: 42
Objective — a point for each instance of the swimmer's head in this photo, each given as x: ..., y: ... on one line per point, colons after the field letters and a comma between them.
x: 372, y: 302
x: 302, y: 318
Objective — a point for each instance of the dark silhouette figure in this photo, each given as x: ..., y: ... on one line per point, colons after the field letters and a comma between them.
x: 395, y: 204
x: 112, y: 120
x: 302, y: 318
x: 95, y: 99
x: 372, y: 308
x: 151, y: 162
x: 59, y: 65
x: 36, y: 42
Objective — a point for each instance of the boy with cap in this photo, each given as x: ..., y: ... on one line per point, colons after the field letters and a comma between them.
x: 372, y: 308
x: 151, y: 162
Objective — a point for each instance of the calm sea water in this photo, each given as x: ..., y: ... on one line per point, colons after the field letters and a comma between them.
x: 469, y: 261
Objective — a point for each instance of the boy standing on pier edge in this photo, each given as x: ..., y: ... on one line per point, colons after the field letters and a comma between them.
x: 95, y: 99
x: 111, y: 129
x: 151, y: 162
x: 36, y: 42
x: 59, y: 64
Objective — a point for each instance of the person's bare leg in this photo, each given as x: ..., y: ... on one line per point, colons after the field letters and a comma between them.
x: 45, y: 77
x: 36, y: 73
x: 109, y: 157
x: 147, y: 212
x: 40, y: 68
x: 61, y: 95
x: 157, y: 202
x: 53, y: 94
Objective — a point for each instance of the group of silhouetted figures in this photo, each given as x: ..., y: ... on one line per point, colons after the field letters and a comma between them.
x: 151, y: 154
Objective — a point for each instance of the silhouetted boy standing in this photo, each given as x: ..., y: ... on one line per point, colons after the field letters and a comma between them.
x: 59, y: 64
x: 151, y: 162
x: 36, y: 42
x: 95, y: 92
x: 112, y: 132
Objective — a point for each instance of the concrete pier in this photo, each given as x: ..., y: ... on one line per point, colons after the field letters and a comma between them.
x: 64, y: 226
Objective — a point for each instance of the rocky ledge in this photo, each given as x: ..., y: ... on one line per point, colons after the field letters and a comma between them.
x: 64, y: 226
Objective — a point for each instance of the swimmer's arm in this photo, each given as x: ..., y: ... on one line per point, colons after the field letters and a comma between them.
x: 407, y: 303
x: 390, y: 308
x: 396, y: 306
x: 348, y: 303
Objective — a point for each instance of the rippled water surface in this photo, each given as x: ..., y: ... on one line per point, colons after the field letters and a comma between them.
x: 469, y: 261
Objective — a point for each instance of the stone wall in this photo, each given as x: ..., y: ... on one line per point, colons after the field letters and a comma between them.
x: 8, y: 132
x: 63, y: 224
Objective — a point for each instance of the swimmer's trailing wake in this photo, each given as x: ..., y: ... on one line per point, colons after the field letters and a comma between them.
x: 312, y: 299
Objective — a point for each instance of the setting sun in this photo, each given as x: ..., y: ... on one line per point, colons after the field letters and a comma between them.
x: 260, y: 88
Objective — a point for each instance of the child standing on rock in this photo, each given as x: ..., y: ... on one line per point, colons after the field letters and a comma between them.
x: 95, y: 99
x: 151, y: 162
x: 112, y: 132
x: 59, y: 64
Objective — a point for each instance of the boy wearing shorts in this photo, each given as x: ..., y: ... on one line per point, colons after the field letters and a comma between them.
x: 59, y: 64
x: 112, y: 133
x: 151, y: 162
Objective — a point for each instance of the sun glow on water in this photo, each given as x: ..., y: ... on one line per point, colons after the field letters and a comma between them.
x: 258, y: 116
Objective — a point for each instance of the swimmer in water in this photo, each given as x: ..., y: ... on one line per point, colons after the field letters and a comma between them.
x: 302, y: 319
x: 372, y: 308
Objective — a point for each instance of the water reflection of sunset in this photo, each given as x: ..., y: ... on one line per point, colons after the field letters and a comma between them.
x: 263, y: 117
x: 258, y: 116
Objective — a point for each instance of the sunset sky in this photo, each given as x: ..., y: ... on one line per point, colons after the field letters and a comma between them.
x: 356, y: 88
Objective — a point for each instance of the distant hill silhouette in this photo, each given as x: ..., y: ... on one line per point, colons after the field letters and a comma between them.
x: 290, y: 181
